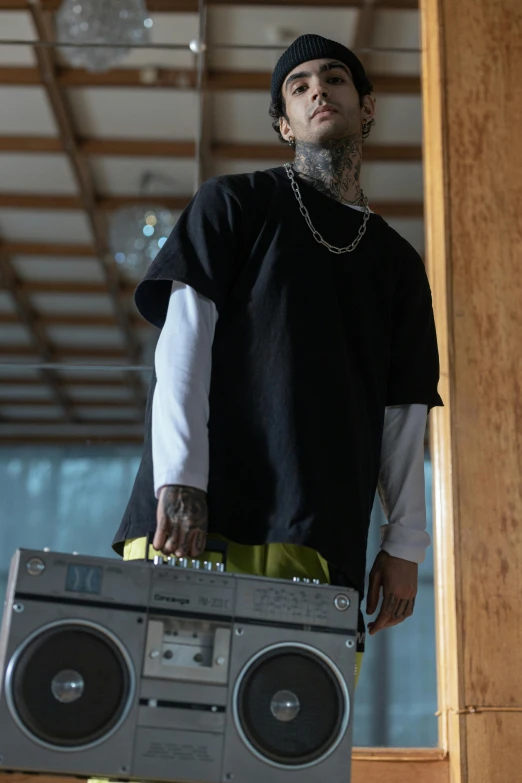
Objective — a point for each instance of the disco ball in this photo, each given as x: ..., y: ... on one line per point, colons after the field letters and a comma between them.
x: 103, y: 22
x: 136, y: 236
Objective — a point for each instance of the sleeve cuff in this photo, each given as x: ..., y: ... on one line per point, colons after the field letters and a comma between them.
x: 405, y: 543
x: 176, y: 477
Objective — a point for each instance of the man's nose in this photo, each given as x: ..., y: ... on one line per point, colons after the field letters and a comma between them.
x: 319, y: 91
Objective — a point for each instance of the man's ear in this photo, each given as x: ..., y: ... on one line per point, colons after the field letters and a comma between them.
x: 368, y: 108
x: 286, y: 130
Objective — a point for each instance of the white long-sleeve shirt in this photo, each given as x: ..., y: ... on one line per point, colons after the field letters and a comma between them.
x: 180, y: 411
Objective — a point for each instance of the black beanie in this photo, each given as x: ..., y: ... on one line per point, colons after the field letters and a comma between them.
x: 315, y: 47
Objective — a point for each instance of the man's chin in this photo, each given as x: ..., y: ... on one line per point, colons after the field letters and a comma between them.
x: 330, y: 132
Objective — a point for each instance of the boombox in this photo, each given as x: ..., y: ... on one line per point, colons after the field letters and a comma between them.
x: 174, y: 671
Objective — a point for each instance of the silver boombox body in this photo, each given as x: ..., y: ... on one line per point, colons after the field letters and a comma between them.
x: 136, y: 671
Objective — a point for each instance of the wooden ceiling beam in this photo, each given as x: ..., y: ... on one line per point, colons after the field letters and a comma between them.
x: 364, y: 31
x: 180, y: 78
x: 48, y: 71
x: 191, y: 6
x: 90, y: 380
x: 103, y: 203
x: 186, y: 149
x: 24, y: 402
x: 91, y: 420
x: 71, y: 287
x: 91, y: 352
x: 58, y: 249
x: 40, y: 344
x: 74, y: 319
x: 111, y: 203
x: 59, y: 436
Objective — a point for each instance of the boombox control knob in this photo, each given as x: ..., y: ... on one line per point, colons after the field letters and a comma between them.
x: 220, y: 567
x: 158, y: 560
x: 183, y: 562
x: 207, y: 565
x: 316, y: 582
x: 342, y: 602
x: 196, y: 564
x: 296, y: 579
x: 35, y: 566
x: 306, y: 581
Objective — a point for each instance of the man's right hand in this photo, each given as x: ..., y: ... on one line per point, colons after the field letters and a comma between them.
x: 181, y: 521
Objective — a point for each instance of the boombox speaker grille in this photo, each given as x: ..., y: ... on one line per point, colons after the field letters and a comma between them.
x: 69, y: 685
x: 290, y: 706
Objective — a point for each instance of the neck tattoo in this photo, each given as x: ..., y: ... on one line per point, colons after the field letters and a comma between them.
x: 333, y: 168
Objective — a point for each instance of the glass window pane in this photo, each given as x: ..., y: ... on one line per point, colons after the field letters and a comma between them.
x: 71, y: 498
x: 396, y: 697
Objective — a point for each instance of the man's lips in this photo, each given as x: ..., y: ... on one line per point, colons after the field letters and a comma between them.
x: 324, y: 110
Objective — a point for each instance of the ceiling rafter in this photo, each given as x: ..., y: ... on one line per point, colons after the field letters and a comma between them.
x: 70, y: 287
x: 40, y: 343
x: 19, y: 436
x: 91, y: 380
x: 91, y: 352
x: 90, y: 420
x: 191, y: 6
x: 56, y: 249
x: 101, y: 203
x: 30, y: 402
x: 111, y: 203
x: 364, y: 30
x: 73, y: 319
x: 180, y: 79
x: 186, y: 149
x: 65, y: 122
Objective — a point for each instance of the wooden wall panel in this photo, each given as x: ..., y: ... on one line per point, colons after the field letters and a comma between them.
x: 484, y: 114
x: 474, y: 192
x: 495, y: 739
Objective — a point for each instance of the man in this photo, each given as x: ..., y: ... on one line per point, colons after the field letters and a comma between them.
x: 297, y: 360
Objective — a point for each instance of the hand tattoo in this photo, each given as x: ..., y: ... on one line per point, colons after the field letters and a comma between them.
x: 182, y: 521
x: 332, y: 167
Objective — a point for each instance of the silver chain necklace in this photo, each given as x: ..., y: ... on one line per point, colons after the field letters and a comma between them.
x: 317, y: 236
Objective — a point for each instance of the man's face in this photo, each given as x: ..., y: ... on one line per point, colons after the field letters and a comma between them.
x: 322, y: 103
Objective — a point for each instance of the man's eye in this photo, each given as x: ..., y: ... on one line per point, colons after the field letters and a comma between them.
x: 297, y: 89
x: 336, y: 79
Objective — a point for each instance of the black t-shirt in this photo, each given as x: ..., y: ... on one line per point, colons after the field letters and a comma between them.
x: 309, y: 349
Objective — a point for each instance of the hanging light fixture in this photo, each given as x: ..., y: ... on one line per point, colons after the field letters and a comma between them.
x: 139, y: 232
x: 101, y: 22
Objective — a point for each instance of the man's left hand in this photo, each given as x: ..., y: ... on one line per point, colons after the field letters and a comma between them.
x: 398, y: 579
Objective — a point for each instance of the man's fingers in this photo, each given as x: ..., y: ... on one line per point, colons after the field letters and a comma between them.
x: 381, y: 622
x: 172, y: 542
x: 394, y: 611
x: 373, y: 592
x: 197, y: 543
x: 161, y: 534
x: 401, y: 608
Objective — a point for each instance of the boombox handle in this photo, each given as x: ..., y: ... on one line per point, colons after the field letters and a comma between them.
x: 212, y: 545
